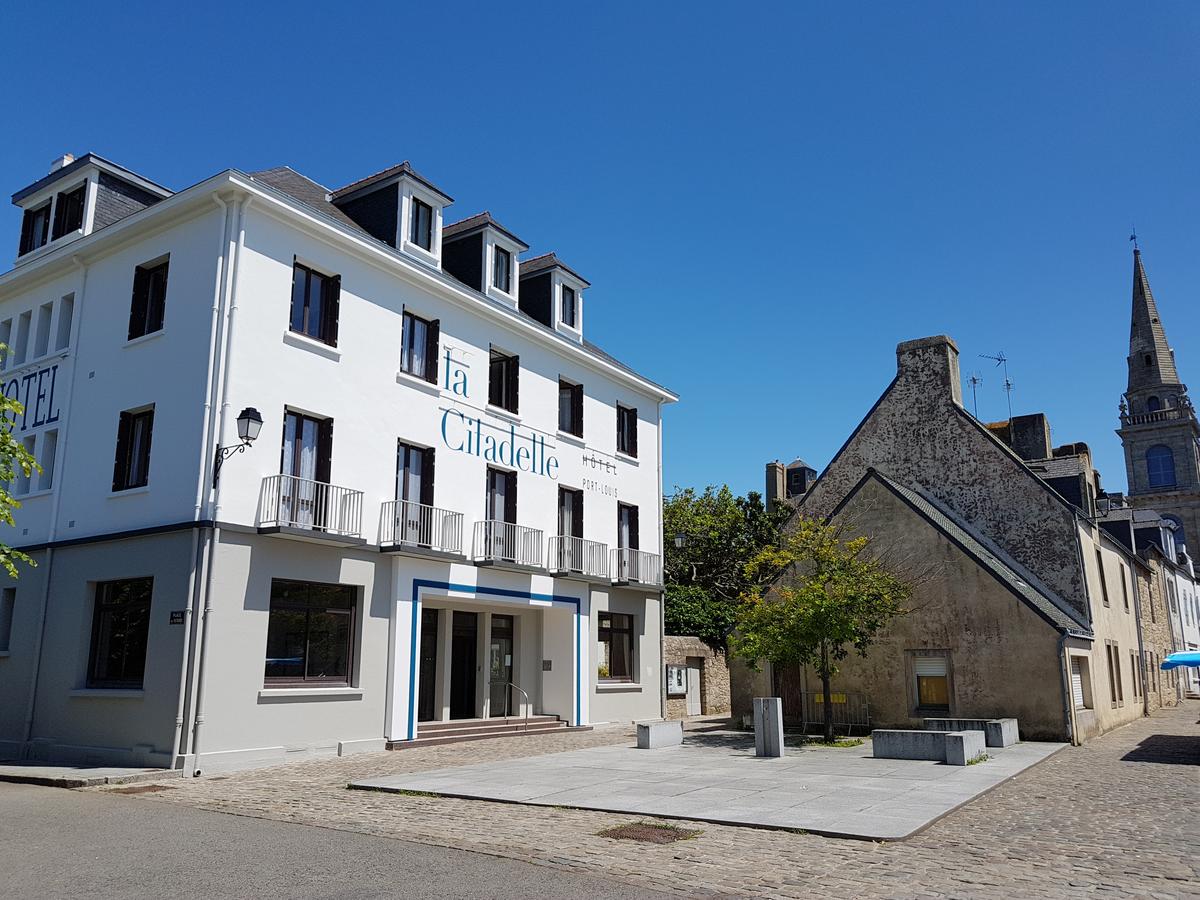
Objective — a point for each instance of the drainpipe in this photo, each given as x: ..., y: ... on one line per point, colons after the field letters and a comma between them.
x: 52, y: 532
x: 662, y: 595
x: 229, y: 289
x: 1068, y: 698
x: 195, y: 575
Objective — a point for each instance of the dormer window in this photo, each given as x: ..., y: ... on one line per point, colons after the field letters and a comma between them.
x: 420, y: 230
x: 35, y: 228
x: 502, y: 270
x: 68, y: 211
x: 567, y: 316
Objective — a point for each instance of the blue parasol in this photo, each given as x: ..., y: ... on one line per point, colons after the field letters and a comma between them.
x: 1186, y: 658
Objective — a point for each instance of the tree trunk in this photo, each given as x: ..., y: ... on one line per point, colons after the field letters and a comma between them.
x: 827, y: 697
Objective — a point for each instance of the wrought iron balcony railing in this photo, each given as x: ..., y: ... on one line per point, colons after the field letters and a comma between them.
x: 636, y: 566
x: 409, y: 524
x: 578, y: 556
x: 504, y: 542
x: 291, y: 502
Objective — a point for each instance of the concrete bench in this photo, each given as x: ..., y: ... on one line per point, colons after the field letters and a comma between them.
x: 955, y: 748
x: 654, y: 735
x: 996, y: 732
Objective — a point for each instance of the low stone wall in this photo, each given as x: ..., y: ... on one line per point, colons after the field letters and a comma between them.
x: 714, y: 675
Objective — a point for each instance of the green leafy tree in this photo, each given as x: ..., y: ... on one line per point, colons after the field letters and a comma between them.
x: 705, y: 577
x: 13, y: 458
x: 816, y: 596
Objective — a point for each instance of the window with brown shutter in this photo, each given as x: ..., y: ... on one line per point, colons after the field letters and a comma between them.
x: 35, y: 228
x: 504, y: 380
x: 68, y: 211
x: 131, y: 467
x: 149, y: 299
x: 627, y: 430
x: 570, y: 408
x: 315, y: 301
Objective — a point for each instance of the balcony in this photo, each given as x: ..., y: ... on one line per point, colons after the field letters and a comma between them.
x: 405, y: 526
x: 577, y: 556
x: 505, y: 544
x: 636, y: 567
x: 308, y: 509
x: 1171, y: 414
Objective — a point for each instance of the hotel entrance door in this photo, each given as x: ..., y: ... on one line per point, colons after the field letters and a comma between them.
x: 500, y: 666
x: 462, y: 665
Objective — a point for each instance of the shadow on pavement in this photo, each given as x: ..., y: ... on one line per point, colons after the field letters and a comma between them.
x: 1171, y: 749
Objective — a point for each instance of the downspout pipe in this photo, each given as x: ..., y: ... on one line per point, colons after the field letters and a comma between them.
x: 226, y: 353
x: 662, y: 595
x: 76, y: 331
x: 195, y: 574
x: 1068, y: 697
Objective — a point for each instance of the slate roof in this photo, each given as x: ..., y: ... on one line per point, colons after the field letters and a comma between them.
x: 798, y: 463
x: 478, y: 222
x: 549, y: 261
x: 307, y: 191
x: 999, y: 564
x: 1058, y: 467
x: 102, y: 163
x: 404, y: 168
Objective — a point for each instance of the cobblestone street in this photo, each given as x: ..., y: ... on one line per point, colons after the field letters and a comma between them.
x: 1099, y: 820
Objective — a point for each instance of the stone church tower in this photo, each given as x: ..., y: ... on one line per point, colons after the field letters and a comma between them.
x: 1158, y: 422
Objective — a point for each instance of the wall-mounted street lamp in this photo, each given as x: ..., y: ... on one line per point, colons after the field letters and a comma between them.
x: 249, y: 424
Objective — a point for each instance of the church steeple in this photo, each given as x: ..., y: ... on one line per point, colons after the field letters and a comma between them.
x: 1151, y: 360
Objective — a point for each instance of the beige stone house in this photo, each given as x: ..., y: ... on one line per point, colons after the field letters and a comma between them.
x: 1031, y: 609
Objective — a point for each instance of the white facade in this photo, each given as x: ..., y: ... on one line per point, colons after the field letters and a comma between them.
x: 232, y: 246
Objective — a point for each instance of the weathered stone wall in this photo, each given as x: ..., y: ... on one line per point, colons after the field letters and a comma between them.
x: 919, y: 434
x: 714, y: 675
x: 1157, y: 634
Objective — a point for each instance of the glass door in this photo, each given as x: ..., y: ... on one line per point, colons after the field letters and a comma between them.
x: 302, y: 446
x: 412, y: 482
x: 500, y: 667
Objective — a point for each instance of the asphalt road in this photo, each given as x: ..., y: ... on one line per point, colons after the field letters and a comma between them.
x: 59, y: 843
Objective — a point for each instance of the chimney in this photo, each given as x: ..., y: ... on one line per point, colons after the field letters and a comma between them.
x: 775, y: 481
x: 932, y: 364
x: 1030, y: 436
x: 65, y: 160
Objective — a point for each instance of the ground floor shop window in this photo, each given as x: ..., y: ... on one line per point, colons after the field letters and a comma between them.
x: 614, y: 651
x: 310, y: 635
x: 120, y: 628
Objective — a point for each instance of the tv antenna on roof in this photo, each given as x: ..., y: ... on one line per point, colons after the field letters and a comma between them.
x: 1002, y: 360
x: 976, y: 380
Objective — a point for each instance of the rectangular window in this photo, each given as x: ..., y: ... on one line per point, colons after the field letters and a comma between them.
x: 570, y: 512
x: 570, y: 408
x: 149, y: 299
x: 419, y: 347
x: 568, y: 306
x: 131, y: 467
x: 503, y: 380
x: 1080, y: 683
x: 420, y: 229
x: 46, y: 459
x: 66, y: 312
x: 627, y: 430
x: 627, y: 526
x: 8, y: 603
x: 310, y: 633
x: 24, y: 479
x: 1133, y: 671
x: 1125, y: 586
x: 306, y: 457
x: 21, y: 349
x: 415, y: 522
x: 932, y: 683
x: 1103, y: 580
x: 501, y: 496
x: 68, y: 212
x: 41, y: 340
x: 120, y: 629
x: 315, y: 299
x: 35, y: 228
x: 501, y: 269
x: 614, y: 647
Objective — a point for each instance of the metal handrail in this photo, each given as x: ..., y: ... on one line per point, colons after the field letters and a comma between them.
x: 523, y: 694
x: 294, y: 502
x: 636, y: 566
x: 420, y: 525
x: 578, y: 555
x: 497, y: 541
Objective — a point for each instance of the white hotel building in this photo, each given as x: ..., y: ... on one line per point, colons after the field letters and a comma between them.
x: 449, y: 520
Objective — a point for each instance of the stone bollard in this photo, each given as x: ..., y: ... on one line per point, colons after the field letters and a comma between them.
x: 768, y: 726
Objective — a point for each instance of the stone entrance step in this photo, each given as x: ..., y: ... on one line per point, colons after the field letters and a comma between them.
x: 456, y: 730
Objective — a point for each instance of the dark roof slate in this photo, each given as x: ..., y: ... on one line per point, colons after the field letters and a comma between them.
x: 478, y: 222
x: 307, y: 191
x: 404, y: 168
x: 996, y: 561
x: 549, y: 261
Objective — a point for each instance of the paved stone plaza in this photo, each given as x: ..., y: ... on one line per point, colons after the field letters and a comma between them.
x: 715, y: 777
x: 1098, y: 820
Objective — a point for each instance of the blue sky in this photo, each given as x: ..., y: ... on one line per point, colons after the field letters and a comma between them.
x: 766, y: 201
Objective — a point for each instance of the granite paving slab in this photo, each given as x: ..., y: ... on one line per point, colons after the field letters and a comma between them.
x: 837, y: 792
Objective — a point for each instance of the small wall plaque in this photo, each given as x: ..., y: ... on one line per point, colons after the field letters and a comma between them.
x: 177, y: 616
x: 546, y: 665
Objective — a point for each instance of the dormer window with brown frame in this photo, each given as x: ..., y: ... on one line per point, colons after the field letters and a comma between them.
x: 502, y: 270
x: 35, y: 228
x: 315, y: 300
x: 68, y: 211
x: 504, y: 375
x: 567, y: 316
x: 420, y: 224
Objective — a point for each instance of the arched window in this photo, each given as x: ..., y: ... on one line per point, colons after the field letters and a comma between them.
x: 1160, y: 466
x: 1153, y: 404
